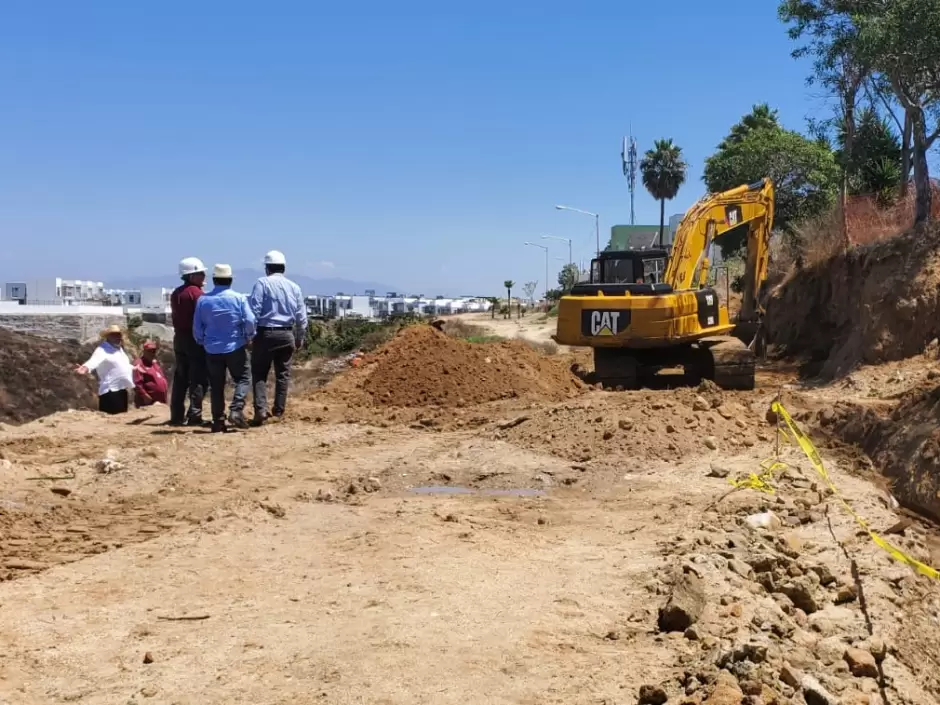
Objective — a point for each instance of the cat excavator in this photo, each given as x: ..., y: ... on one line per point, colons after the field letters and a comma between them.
x: 638, y: 325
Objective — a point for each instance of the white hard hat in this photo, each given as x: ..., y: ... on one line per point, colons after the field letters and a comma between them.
x: 275, y: 257
x: 191, y: 265
x: 222, y: 271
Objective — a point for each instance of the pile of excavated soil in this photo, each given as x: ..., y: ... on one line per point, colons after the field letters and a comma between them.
x: 423, y: 367
x: 37, y: 377
x: 871, y: 304
x: 902, y: 439
x: 647, y: 426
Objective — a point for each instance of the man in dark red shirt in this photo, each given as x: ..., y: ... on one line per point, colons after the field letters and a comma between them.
x: 149, y: 380
x: 190, y: 374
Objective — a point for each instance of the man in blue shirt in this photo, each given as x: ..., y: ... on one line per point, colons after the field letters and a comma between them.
x: 224, y: 325
x: 278, y: 306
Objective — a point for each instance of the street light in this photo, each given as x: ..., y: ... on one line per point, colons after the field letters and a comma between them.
x: 545, y: 249
x: 597, y: 222
x: 563, y: 239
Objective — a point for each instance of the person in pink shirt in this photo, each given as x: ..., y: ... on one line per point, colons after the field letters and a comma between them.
x: 150, y: 385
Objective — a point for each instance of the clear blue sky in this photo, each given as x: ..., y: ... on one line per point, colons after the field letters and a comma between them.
x: 409, y: 143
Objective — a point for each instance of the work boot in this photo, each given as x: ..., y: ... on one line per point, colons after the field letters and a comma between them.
x: 194, y: 421
x: 238, y: 421
x: 219, y: 427
x: 258, y: 420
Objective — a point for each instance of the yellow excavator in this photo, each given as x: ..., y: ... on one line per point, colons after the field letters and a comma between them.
x: 638, y: 325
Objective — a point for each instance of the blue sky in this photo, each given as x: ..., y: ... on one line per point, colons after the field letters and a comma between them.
x: 408, y: 143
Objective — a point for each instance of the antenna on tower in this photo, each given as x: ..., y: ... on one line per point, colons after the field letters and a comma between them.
x: 629, y: 159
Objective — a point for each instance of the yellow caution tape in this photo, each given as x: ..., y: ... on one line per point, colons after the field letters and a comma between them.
x: 807, y: 445
x: 761, y: 482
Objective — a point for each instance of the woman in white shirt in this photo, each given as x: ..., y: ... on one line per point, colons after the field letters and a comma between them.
x: 114, y: 370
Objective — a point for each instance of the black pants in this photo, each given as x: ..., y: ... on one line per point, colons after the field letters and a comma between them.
x: 236, y: 364
x: 190, y: 379
x: 113, y: 402
x: 271, y: 347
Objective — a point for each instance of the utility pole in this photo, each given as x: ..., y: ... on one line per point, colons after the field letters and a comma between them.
x: 629, y: 158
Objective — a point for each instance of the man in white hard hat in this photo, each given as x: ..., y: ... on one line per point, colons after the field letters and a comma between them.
x: 279, y: 309
x: 190, y: 377
x: 224, y: 325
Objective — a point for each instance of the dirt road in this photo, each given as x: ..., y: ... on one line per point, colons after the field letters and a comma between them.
x: 511, y: 552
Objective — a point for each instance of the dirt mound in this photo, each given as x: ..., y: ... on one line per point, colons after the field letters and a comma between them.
x: 902, y: 440
x: 424, y: 367
x: 872, y: 304
x: 646, y: 426
x: 36, y: 377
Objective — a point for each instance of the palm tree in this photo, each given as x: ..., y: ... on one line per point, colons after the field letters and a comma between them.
x: 663, y: 170
x: 509, y: 284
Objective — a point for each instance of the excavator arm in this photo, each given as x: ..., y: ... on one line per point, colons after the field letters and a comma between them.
x: 714, y: 216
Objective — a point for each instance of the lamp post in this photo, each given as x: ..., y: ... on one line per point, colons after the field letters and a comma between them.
x: 563, y: 239
x: 544, y: 248
x: 597, y: 222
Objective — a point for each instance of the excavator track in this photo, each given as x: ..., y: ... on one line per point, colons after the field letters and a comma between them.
x: 732, y: 363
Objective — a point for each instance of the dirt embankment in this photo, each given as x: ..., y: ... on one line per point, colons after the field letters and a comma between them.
x: 872, y: 304
x: 901, y: 438
x: 423, y: 367
x: 36, y: 377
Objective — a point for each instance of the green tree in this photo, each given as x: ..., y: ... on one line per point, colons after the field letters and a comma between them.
x: 664, y: 171
x: 875, y: 157
x: 901, y: 39
x: 568, y: 277
x: 761, y: 117
x: 804, y: 172
x: 509, y: 284
x: 494, y: 304
x: 898, y: 42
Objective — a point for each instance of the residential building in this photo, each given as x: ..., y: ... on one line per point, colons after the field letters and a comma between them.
x: 15, y: 291
x: 68, y: 292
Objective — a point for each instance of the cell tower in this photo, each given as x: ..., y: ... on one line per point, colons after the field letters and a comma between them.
x: 629, y: 159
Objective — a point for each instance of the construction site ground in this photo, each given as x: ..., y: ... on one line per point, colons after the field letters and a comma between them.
x: 512, y: 551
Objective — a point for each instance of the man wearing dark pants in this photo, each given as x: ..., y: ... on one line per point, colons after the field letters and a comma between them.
x: 224, y: 325
x: 278, y: 306
x: 190, y: 377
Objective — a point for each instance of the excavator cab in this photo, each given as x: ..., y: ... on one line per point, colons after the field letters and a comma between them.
x: 629, y: 266
x: 619, y: 272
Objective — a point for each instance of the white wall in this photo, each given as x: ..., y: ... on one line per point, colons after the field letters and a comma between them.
x: 13, y: 308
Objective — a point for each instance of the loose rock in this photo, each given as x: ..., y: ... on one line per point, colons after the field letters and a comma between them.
x: 685, y: 606
x: 802, y: 593
x: 790, y: 676
x: 726, y: 692
x: 652, y: 695
x: 861, y: 663
x: 718, y: 471
x: 814, y: 693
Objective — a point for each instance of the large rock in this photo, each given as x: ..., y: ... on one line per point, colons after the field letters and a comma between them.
x: 815, y: 694
x: 685, y: 605
x: 802, y: 592
x: 652, y: 695
x: 726, y: 692
x: 861, y: 663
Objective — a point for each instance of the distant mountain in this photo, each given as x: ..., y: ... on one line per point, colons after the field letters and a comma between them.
x: 245, y: 279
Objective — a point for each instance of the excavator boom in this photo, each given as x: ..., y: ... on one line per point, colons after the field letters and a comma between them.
x: 713, y: 217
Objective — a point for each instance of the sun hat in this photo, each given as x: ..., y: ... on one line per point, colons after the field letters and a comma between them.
x: 112, y: 330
